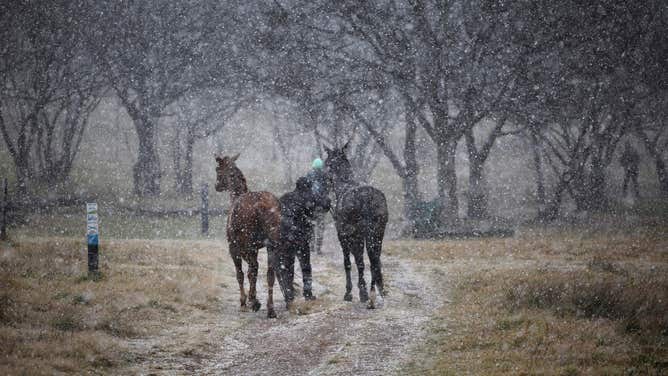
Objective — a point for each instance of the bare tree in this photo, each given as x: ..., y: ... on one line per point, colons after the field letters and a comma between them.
x: 478, y: 153
x: 198, y: 116
x: 428, y: 55
x: 651, y: 129
x: 154, y: 54
x: 48, y: 89
x: 580, y: 96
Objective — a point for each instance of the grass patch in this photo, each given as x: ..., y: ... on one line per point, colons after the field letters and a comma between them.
x: 90, y: 277
x: 7, y: 308
x: 637, y: 301
x: 56, y: 318
x: 67, y: 321
x: 167, y: 307
x: 588, y: 301
x: 612, y: 242
x: 117, y: 223
x: 541, y: 324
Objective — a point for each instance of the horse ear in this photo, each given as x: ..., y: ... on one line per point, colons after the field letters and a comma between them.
x: 345, y: 147
x: 218, y: 159
x: 233, y: 159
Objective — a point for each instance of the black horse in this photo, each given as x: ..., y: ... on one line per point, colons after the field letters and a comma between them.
x: 360, y: 215
x: 298, y: 209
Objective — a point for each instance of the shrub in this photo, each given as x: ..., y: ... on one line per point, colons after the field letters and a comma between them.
x: 639, y: 301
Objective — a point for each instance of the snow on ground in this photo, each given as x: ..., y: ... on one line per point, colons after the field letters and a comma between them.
x: 328, y: 337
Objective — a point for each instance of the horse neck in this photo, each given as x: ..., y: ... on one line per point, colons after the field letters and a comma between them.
x: 342, y: 186
x: 237, y: 184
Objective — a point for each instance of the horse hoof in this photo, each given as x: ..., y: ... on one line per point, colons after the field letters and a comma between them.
x: 348, y: 297
x: 364, y: 297
x: 271, y: 313
x: 256, y: 306
x: 309, y: 297
x: 370, y: 305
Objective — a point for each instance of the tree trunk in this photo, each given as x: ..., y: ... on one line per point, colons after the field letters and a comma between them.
x: 447, y: 180
x: 597, y: 199
x: 186, y: 173
x: 477, y: 190
x: 146, y: 171
x: 588, y: 187
x: 21, y: 156
x: 177, y: 159
x: 477, y: 205
x: 538, y: 167
x: 656, y: 153
x: 55, y: 176
x: 410, y: 180
x: 661, y: 173
x: 552, y: 206
x: 22, y: 171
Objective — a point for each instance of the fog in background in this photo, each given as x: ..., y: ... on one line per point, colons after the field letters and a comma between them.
x: 484, y: 109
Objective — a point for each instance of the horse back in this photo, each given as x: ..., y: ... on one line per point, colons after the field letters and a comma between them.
x: 254, y: 218
x: 363, y: 204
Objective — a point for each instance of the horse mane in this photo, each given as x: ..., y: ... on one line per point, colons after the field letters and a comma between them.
x: 344, y: 170
x: 238, y: 181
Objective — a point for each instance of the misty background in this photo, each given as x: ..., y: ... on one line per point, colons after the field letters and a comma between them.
x: 483, y: 109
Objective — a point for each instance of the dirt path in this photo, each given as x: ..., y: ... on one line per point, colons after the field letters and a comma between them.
x: 338, y: 337
x: 332, y: 337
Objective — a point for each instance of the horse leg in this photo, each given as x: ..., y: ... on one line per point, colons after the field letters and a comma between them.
x: 236, y: 258
x: 318, y: 233
x: 374, y: 281
x: 252, y: 280
x: 376, y: 276
x: 271, y: 262
x: 285, y: 272
x: 357, y: 249
x: 304, y: 254
x: 348, y: 297
x: 374, y: 245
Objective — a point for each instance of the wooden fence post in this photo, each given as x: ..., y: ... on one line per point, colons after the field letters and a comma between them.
x: 205, y: 209
x: 5, y: 203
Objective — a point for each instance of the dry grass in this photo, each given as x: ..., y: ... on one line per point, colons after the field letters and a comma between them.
x: 545, y: 302
x: 548, y: 301
x: 638, y: 300
x: 54, y: 319
x: 118, y: 224
x: 581, y: 244
x: 560, y: 323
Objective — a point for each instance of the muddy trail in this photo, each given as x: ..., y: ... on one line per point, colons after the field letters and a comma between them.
x: 327, y: 337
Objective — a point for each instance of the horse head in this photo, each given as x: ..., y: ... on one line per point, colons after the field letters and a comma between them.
x: 337, y: 165
x: 225, y: 172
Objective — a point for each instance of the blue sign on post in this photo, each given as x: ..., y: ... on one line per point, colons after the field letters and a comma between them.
x: 92, y: 236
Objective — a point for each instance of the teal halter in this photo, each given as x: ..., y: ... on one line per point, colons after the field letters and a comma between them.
x: 317, y: 164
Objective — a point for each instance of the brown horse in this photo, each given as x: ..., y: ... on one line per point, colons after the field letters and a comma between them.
x: 252, y: 223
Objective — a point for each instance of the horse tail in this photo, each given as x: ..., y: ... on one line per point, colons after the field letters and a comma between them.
x: 373, y: 213
x: 375, y: 216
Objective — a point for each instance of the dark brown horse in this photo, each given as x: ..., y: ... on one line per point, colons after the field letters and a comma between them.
x: 252, y: 223
x: 360, y: 215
